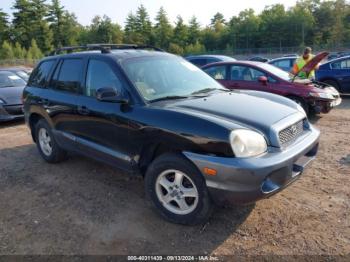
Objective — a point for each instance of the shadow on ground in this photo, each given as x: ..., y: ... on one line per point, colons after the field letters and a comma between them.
x: 83, y: 207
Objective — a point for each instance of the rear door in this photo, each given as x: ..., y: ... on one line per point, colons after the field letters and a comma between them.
x: 244, y: 77
x: 60, y: 100
x: 103, y: 126
x: 341, y: 72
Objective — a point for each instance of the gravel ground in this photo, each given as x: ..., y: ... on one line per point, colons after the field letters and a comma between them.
x: 84, y: 207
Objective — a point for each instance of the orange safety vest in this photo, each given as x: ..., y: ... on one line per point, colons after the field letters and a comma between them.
x: 299, y: 64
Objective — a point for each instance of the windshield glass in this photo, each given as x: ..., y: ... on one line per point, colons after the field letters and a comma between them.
x: 9, y: 79
x: 276, y: 71
x: 23, y: 75
x: 161, y: 77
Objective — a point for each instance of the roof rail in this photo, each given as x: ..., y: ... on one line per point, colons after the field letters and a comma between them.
x: 104, y: 48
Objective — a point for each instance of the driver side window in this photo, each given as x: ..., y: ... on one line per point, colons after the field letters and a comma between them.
x: 100, y: 74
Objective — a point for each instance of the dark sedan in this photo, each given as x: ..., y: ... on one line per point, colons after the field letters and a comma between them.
x: 202, y: 60
x: 336, y: 73
x: 285, y: 63
x: 11, y: 89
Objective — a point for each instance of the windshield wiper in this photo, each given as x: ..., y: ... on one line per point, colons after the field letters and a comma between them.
x: 207, y: 90
x: 167, y: 98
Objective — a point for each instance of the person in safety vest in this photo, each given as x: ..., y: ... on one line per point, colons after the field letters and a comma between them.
x: 301, y: 62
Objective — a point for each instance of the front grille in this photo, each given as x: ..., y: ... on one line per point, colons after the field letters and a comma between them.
x: 291, y: 133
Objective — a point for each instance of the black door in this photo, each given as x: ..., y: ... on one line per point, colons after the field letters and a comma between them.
x: 60, y: 100
x: 103, y: 126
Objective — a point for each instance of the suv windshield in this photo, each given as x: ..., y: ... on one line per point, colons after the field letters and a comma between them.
x: 168, y: 77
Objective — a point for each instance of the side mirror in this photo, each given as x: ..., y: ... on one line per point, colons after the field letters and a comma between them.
x: 263, y: 80
x: 110, y: 94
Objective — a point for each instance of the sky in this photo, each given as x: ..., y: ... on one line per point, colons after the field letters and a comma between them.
x: 117, y: 10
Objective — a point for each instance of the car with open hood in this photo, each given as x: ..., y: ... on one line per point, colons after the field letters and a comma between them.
x: 313, y: 96
x: 155, y: 115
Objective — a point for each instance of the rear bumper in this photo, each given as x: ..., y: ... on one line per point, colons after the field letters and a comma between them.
x: 8, y: 113
x: 243, y: 181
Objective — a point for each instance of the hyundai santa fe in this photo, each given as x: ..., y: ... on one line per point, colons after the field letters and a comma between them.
x: 153, y: 114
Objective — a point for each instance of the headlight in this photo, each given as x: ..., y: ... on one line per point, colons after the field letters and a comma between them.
x: 2, y: 102
x: 247, y: 143
x: 322, y: 95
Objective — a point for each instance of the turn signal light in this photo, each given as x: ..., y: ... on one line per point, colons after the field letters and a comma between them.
x: 209, y: 171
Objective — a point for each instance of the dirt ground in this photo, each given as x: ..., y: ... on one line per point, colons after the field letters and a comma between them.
x: 84, y: 207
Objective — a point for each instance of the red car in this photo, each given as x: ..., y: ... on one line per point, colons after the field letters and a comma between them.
x: 311, y: 95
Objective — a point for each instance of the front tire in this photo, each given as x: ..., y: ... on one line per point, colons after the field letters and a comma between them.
x: 178, y: 190
x: 46, y: 143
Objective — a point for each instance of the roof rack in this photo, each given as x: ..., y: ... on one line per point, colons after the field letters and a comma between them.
x: 104, y: 48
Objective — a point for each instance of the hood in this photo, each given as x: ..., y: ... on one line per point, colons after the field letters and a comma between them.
x: 255, y: 110
x: 312, y: 64
x: 12, y: 95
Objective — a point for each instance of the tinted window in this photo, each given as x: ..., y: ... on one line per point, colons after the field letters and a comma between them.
x: 245, y: 73
x: 199, y: 62
x: 344, y: 64
x: 217, y: 72
x: 100, y: 74
x: 282, y: 63
x: 9, y: 79
x: 69, y: 76
x: 40, y: 75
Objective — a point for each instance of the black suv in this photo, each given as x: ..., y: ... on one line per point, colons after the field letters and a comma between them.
x: 156, y: 115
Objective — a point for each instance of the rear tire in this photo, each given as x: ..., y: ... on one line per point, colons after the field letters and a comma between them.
x: 178, y: 190
x: 333, y: 83
x: 46, y: 143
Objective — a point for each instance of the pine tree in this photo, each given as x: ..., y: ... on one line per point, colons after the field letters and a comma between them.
x: 34, y: 51
x: 193, y: 31
x: 163, y: 29
x: 56, y: 19
x: 40, y: 30
x: 143, y: 25
x: 22, y: 22
x: 4, y: 26
x: 131, y: 35
x: 180, y: 33
x: 19, y: 52
x: 6, y: 51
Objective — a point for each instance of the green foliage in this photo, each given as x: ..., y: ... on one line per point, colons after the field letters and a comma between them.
x: 34, y: 52
x: 175, y: 49
x: 4, y: 26
x: 163, y: 29
x: 6, y: 51
x: 41, y: 25
x: 18, y: 51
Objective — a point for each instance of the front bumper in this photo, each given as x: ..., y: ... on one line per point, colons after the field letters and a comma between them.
x: 8, y: 113
x: 246, y: 180
x: 324, y: 106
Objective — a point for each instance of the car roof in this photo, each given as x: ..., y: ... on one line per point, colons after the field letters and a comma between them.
x: 283, y: 58
x: 240, y: 62
x: 119, y: 54
x: 337, y: 59
x: 209, y: 56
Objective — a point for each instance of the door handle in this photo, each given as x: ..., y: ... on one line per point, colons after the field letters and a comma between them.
x: 83, y: 110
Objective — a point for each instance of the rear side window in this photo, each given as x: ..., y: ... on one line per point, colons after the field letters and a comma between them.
x: 40, y: 75
x: 343, y: 64
x: 99, y: 75
x: 69, y: 75
x: 217, y: 72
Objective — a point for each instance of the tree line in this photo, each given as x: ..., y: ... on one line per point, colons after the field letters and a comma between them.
x: 39, y: 26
